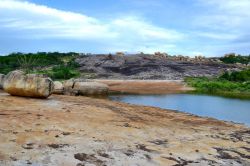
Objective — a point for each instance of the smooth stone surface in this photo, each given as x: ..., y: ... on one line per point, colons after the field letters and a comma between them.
x: 58, y: 88
x: 17, y: 83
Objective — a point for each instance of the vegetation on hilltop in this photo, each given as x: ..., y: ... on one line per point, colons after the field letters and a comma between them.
x: 55, y: 65
x: 235, y: 84
x: 232, y: 58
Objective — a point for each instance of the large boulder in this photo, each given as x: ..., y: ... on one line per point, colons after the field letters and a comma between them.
x: 17, y: 83
x: 58, y: 88
x: 68, y: 87
x: 1, y: 80
x: 84, y: 87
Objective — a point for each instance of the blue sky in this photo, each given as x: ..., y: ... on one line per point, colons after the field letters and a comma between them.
x: 187, y: 27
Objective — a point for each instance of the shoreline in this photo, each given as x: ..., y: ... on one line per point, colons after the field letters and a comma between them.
x: 61, y: 129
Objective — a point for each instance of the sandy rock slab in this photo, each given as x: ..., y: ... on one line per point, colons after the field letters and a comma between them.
x: 75, y: 131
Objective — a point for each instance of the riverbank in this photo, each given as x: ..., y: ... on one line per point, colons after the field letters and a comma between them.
x: 237, y: 86
x: 146, y: 86
x: 66, y: 130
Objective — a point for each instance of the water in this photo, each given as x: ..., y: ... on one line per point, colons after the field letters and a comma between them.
x: 228, y: 109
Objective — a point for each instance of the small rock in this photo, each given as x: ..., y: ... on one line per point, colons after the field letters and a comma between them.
x: 66, y: 133
x: 56, y: 146
x: 13, y: 158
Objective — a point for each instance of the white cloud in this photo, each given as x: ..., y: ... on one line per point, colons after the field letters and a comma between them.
x: 37, y: 21
x: 49, y: 22
x: 145, y: 30
x: 231, y: 15
x: 240, y: 7
x: 217, y: 36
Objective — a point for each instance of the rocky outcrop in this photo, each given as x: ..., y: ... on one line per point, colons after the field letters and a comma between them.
x: 84, y: 87
x: 58, y: 88
x: 145, y: 66
x: 1, y: 80
x: 17, y: 83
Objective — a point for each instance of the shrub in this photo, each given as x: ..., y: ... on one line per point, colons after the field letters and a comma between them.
x: 32, y: 61
x: 238, y: 76
x: 63, y: 72
x: 235, y: 59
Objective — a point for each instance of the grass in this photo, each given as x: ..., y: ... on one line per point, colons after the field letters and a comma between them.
x: 235, y: 84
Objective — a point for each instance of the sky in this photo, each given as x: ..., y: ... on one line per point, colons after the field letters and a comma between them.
x: 186, y: 27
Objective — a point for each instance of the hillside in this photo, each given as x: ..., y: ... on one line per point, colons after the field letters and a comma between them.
x: 150, y: 67
x: 106, y: 66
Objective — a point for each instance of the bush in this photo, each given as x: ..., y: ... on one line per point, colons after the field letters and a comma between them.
x: 225, y: 84
x: 33, y: 61
x: 238, y: 76
x: 63, y: 72
x: 235, y: 59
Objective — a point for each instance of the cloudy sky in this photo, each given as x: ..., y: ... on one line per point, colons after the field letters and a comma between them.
x: 188, y: 27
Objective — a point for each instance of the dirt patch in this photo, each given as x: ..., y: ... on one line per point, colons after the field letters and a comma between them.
x: 89, y: 158
x: 179, y: 161
x: 143, y: 147
x: 159, y: 142
x: 56, y: 146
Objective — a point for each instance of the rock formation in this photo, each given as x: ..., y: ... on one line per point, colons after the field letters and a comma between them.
x: 1, y: 80
x: 84, y: 87
x: 58, y: 88
x: 150, y: 66
x: 17, y: 83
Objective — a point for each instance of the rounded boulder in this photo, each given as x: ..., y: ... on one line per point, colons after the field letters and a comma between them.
x: 58, y: 88
x: 17, y: 83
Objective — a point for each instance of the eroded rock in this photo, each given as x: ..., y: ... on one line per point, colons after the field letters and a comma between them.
x: 18, y: 83
x: 84, y: 87
x: 58, y: 87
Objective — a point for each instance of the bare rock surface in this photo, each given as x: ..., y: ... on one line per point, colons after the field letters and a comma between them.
x: 76, y: 131
x: 143, y: 66
x: 84, y: 87
x: 145, y: 86
x: 18, y: 83
x: 58, y: 88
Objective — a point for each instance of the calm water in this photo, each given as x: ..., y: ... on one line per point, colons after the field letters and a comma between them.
x: 228, y: 109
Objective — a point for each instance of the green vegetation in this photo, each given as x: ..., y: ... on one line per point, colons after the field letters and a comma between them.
x: 237, y: 76
x: 60, y: 72
x: 232, y: 58
x: 234, y: 84
x: 55, y: 65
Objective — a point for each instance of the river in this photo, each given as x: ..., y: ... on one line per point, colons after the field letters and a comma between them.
x: 222, y: 108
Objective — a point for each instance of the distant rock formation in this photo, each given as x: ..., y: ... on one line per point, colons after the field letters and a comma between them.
x: 1, y: 80
x: 152, y: 66
x: 120, y: 53
x: 17, y: 83
x: 84, y: 87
